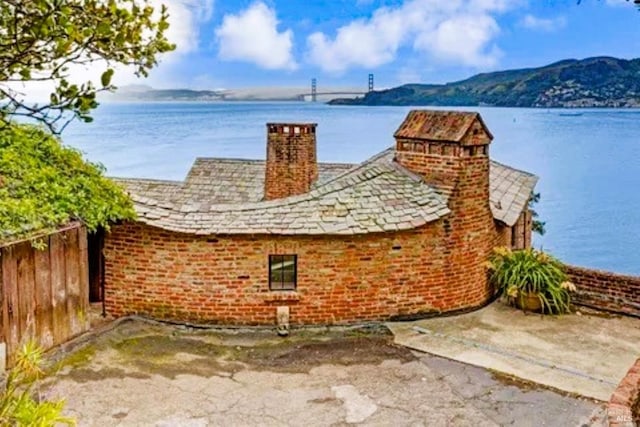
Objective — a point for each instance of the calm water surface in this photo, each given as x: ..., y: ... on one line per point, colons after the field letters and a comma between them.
x: 589, y: 165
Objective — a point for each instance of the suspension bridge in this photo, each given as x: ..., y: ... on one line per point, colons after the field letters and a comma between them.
x: 313, y: 95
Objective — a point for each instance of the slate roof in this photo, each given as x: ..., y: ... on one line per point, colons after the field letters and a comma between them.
x: 225, y: 196
x: 509, y: 191
x: 375, y: 196
x: 435, y: 125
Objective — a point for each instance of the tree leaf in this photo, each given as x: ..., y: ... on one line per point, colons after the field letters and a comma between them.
x: 105, y: 79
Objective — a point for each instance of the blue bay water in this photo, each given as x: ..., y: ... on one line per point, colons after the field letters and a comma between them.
x: 589, y: 165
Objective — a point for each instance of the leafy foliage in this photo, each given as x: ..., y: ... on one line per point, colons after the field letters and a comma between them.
x: 19, y: 403
x: 537, y: 226
x: 44, y: 185
x: 42, y: 40
x: 524, y: 272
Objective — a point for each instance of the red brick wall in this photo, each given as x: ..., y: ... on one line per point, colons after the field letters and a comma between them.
x: 224, y: 279
x: 463, y: 172
x: 623, y: 408
x: 606, y: 291
x: 471, y: 229
x: 291, y: 165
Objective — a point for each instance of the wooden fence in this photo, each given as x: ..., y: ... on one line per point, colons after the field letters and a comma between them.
x: 44, y: 293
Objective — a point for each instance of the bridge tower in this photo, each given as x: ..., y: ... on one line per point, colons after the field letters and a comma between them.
x: 370, y: 82
x: 314, y: 90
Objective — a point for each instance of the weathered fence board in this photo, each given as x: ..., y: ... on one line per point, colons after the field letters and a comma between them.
x: 83, y: 266
x: 44, y: 307
x: 72, y: 267
x: 44, y: 293
x: 10, y: 304
x: 59, y: 289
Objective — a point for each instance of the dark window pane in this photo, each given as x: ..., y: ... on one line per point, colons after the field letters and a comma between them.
x: 276, y: 277
x: 282, y: 272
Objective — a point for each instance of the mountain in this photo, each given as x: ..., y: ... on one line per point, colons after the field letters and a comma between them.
x: 146, y: 93
x: 591, y: 82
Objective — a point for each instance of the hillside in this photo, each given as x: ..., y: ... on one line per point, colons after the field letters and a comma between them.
x: 147, y: 94
x: 591, y: 82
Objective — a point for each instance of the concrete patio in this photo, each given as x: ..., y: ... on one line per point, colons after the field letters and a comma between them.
x: 140, y: 373
x: 585, y: 354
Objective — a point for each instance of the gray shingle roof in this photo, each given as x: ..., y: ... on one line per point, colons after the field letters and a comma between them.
x: 509, y: 191
x: 221, y: 196
x: 373, y: 197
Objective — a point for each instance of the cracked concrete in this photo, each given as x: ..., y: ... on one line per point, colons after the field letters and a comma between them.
x: 585, y: 354
x: 192, y: 378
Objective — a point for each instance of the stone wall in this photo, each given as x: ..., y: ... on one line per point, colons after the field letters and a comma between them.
x: 606, y: 291
x: 341, y: 280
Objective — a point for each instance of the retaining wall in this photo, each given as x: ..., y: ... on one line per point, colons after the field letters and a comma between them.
x: 606, y: 291
x: 621, y: 405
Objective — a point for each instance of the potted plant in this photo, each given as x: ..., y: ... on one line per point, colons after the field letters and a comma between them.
x: 530, y: 279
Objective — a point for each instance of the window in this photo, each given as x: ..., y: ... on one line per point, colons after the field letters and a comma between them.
x: 283, y: 271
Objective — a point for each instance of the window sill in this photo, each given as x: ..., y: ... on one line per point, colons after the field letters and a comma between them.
x: 276, y: 296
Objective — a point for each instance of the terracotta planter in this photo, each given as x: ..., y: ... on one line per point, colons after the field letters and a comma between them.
x: 529, y: 302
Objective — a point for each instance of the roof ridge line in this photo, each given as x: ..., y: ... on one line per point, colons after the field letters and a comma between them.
x: 300, y: 198
x: 288, y: 201
x: 241, y: 159
x: 358, y: 166
x: 515, y: 169
x: 232, y: 159
x: 163, y: 181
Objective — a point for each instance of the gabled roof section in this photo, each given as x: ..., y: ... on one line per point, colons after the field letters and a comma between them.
x: 155, y: 188
x: 509, y: 191
x: 226, y: 180
x: 432, y: 125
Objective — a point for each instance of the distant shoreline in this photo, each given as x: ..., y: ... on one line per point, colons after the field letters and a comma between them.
x: 289, y: 101
x: 600, y: 82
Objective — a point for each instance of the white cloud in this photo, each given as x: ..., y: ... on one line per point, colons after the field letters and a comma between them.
x: 543, y: 24
x: 252, y: 36
x: 185, y: 17
x: 464, y: 40
x: 458, y: 31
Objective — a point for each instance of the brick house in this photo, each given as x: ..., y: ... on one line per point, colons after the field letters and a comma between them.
x: 402, y: 234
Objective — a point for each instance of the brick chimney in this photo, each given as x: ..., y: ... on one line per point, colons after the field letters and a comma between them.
x: 291, y: 159
x: 450, y: 149
x: 439, y: 145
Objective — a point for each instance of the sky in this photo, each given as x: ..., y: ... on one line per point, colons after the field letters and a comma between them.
x: 259, y: 43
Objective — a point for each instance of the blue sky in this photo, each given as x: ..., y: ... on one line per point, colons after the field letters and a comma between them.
x: 248, y: 43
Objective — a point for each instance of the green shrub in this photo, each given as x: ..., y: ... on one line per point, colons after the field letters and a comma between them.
x: 531, y: 272
x: 44, y: 185
x: 20, y: 404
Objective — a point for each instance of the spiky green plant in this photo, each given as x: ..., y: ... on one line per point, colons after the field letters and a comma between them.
x: 531, y: 272
x: 20, y: 404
